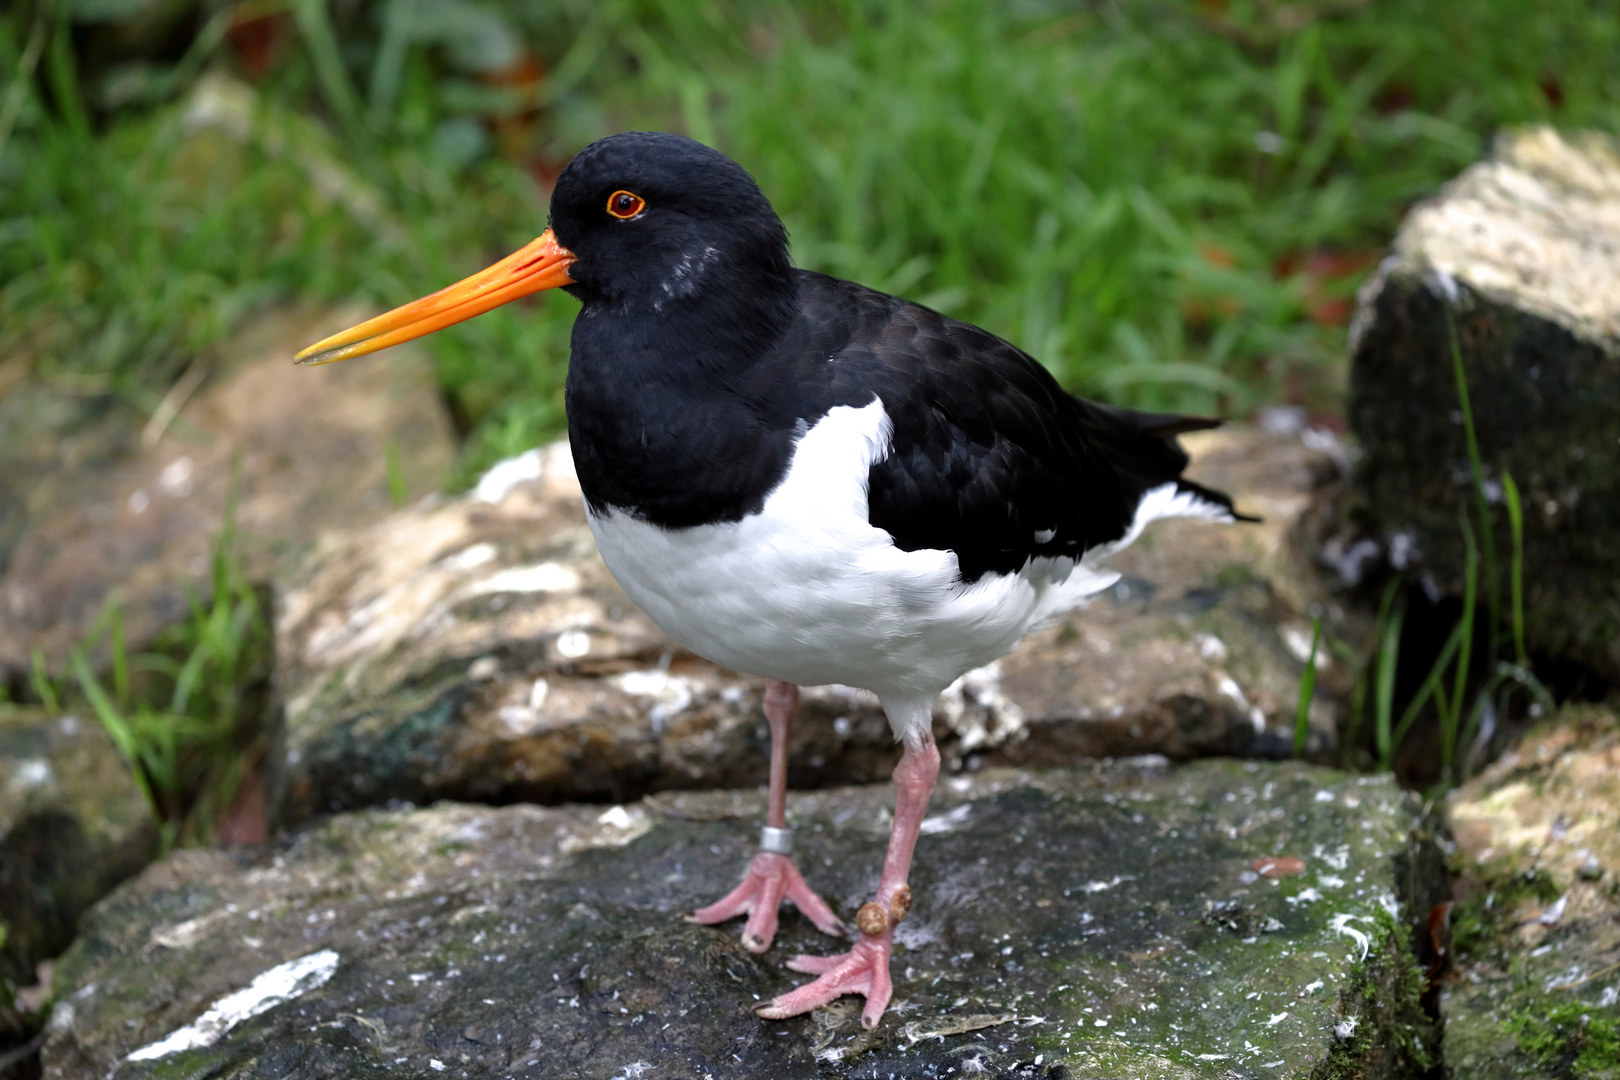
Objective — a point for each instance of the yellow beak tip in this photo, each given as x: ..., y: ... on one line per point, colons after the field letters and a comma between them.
x: 315, y: 356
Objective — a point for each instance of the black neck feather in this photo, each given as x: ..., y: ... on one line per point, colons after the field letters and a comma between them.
x: 663, y: 402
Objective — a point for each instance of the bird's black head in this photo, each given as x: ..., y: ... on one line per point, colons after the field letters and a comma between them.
x: 672, y: 241
x: 659, y: 222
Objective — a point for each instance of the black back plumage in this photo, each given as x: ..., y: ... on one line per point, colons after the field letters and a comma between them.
x: 688, y: 389
x: 992, y: 459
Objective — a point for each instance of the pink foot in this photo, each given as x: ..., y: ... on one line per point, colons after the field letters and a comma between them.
x: 862, y: 970
x: 771, y: 878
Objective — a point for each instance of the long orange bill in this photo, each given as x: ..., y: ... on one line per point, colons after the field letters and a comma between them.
x: 541, y: 264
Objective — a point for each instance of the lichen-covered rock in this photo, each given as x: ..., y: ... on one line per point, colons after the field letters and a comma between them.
x: 1537, y: 922
x: 1522, y: 253
x: 1107, y: 920
x: 73, y: 824
x: 98, y: 499
x: 477, y: 648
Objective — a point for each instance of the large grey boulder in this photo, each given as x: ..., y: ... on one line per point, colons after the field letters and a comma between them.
x: 98, y: 499
x: 477, y: 648
x: 1222, y: 919
x: 73, y: 824
x: 1522, y: 252
x: 1537, y: 922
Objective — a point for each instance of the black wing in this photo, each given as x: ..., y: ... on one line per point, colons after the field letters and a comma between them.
x: 992, y: 459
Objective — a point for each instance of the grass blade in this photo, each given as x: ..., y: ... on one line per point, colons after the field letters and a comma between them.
x: 61, y: 70
x: 1389, y: 647
x: 114, y: 617
x: 117, y: 727
x: 23, y: 76
x: 1510, y: 492
x: 1366, y: 683
x: 1433, y: 687
x: 316, y: 27
x: 1487, y: 540
x: 1451, y: 719
x: 44, y: 685
x: 1307, y: 689
x: 1521, y: 675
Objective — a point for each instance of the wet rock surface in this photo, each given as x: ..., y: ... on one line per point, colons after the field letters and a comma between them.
x: 478, y: 649
x: 98, y: 498
x: 1537, y: 922
x: 1108, y: 921
x: 1523, y: 252
x: 73, y: 824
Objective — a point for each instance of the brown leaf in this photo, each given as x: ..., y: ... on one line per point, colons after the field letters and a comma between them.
x: 1276, y: 866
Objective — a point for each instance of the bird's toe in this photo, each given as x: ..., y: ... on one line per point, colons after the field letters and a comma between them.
x: 863, y: 970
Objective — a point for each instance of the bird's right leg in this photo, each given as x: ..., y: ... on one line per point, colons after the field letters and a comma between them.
x: 772, y: 877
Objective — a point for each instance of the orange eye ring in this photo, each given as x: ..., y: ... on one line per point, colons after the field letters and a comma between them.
x: 625, y: 205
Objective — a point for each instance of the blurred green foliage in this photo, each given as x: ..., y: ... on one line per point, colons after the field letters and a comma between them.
x: 186, y: 713
x: 1169, y: 203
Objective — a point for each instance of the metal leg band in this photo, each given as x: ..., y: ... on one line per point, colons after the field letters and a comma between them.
x: 777, y: 841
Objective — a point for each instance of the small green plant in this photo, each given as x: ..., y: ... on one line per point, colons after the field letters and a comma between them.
x: 178, y: 713
x: 1569, y: 1039
x: 45, y: 688
x: 1485, y: 919
x: 1473, y: 687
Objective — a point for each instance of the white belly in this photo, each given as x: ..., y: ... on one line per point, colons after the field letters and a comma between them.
x: 808, y: 591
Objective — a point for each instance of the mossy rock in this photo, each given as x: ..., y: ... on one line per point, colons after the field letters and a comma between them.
x: 1100, y: 922
x: 1536, y: 928
x: 1521, y: 254
x: 73, y: 825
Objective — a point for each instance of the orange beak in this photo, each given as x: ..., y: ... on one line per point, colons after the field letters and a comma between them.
x: 541, y: 264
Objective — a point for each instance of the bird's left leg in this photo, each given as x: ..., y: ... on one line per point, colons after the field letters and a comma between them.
x: 772, y: 877
x: 865, y: 968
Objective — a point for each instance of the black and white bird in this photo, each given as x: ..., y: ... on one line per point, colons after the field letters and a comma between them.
x: 804, y: 479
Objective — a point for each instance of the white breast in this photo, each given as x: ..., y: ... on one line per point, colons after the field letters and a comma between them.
x: 808, y: 591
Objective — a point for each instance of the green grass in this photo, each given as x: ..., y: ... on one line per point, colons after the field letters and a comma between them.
x: 1089, y: 183
x: 185, y: 713
x: 1129, y: 191
x: 1570, y: 1039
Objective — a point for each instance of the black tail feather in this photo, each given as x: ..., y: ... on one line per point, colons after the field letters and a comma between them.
x: 1169, y: 425
x: 1218, y: 498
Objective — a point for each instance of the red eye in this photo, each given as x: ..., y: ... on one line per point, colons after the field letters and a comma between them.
x: 622, y: 204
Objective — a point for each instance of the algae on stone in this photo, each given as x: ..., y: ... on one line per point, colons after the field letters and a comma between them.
x: 1098, y: 922
x: 1537, y: 923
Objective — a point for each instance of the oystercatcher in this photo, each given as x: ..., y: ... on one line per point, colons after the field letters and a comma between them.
x: 805, y: 479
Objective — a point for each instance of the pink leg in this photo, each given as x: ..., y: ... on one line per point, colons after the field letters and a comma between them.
x: 772, y: 877
x: 865, y: 968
